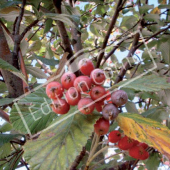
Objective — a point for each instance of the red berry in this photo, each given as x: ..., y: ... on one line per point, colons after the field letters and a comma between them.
x: 90, y: 10
x: 134, y: 152
x: 98, y: 92
x: 119, y: 97
x: 102, y: 126
x: 60, y: 106
x: 114, y: 136
x: 135, y: 143
x: 99, y: 106
x: 73, y: 96
x: 144, y: 145
x: 82, y: 83
x: 54, y: 90
x: 85, y: 106
x: 110, y: 112
x: 67, y: 80
x: 138, y: 152
x: 144, y: 156
x: 86, y: 66
x: 125, y: 143
x: 98, y: 77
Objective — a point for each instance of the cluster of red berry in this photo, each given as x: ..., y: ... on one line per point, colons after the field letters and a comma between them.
x: 136, y: 149
x: 85, y: 91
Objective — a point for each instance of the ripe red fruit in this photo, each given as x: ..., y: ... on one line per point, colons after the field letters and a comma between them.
x: 90, y: 10
x: 144, y: 145
x: 54, y: 90
x: 138, y: 152
x: 86, y: 66
x: 99, y: 106
x: 73, y: 96
x: 125, y: 143
x: 110, y: 112
x: 119, y: 97
x: 114, y: 136
x: 135, y: 143
x: 67, y: 80
x: 60, y: 106
x: 97, y: 76
x: 98, y: 92
x: 102, y: 126
x: 85, y: 106
x: 82, y: 83
x: 144, y: 156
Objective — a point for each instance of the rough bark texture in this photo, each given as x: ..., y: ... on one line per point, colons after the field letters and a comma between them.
x: 13, y: 83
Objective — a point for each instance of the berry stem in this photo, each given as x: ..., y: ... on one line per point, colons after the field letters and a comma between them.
x: 94, y: 147
x: 96, y: 154
x: 102, y: 160
x: 93, y: 141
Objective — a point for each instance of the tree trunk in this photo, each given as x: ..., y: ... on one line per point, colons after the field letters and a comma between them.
x: 13, y: 83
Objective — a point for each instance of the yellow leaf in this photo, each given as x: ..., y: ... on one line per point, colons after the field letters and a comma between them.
x: 146, y: 130
x: 155, y: 11
x: 9, y: 9
x: 163, y: 2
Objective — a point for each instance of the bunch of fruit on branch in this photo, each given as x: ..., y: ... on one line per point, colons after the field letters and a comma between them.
x: 88, y: 93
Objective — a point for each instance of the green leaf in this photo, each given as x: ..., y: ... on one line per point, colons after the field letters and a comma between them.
x: 35, y: 110
x: 150, y: 83
x: 145, y: 8
x: 113, y: 126
x: 153, y: 161
x: 5, y: 150
x: 94, y: 30
x: 5, y: 101
x: 67, y: 19
x: 49, y: 53
x: 164, y: 6
x: 128, y: 21
x: 164, y: 47
x: 6, y: 66
x: 48, y: 25
x: 5, y: 138
x: 36, y: 72
x: 58, y: 146
x: 97, y: 1
x: 10, y: 3
x: 152, y: 17
x: 131, y: 107
x: 50, y: 62
x: 5, y: 127
x: 3, y: 87
x: 158, y: 113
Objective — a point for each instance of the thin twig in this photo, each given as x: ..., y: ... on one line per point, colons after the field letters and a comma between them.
x: 18, y: 22
x: 112, y: 24
x: 4, y: 115
x: 154, y: 35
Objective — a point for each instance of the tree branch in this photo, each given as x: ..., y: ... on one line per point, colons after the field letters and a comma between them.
x: 78, y: 159
x: 130, y: 54
x: 28, y: 28
x: 18, y: 22
x: 4, y: 115
x: 62, y: 31
x: 154, y: 35
x: 112, y: 24
x: 13, y: 83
